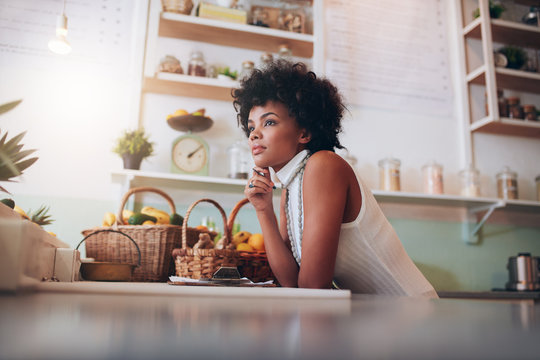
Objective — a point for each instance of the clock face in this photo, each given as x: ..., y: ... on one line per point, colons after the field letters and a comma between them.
x: 190, y: 155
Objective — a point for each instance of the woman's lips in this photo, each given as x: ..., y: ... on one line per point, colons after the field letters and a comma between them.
x: 257, y: 149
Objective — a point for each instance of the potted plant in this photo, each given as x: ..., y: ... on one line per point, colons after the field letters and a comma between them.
x: 13, y: 159
x: 133, y: 146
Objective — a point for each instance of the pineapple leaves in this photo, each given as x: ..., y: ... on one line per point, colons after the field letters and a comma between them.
x: 6, y: 107
x: 41, y: 216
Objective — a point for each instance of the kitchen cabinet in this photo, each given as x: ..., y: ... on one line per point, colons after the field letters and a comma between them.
x: 482, y: 78
x: 186, y: 27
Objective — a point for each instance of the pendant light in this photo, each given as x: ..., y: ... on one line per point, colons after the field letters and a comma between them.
x: 59, y: 44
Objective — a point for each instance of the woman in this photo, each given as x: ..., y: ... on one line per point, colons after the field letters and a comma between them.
x: 331, y: 229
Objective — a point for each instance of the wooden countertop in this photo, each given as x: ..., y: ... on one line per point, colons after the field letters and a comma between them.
x: 64, y: 324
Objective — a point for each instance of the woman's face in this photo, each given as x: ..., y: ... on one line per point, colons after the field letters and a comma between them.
x: 274, y: 136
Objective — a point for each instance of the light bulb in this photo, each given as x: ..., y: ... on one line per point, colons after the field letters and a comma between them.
x: 59, y: 43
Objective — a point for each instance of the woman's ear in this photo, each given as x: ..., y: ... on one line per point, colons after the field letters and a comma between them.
x: 305, y: 137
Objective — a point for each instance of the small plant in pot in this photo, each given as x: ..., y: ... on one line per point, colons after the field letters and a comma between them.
x: 133, y: 146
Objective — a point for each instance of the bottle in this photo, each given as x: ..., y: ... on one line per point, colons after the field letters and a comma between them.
x: 502, y: 102
x: 507, y: 187
x: 389, y: 174
x: 470, y: 182
x: 240, y: 162
x: 196, y: 65
x: 432, y: 174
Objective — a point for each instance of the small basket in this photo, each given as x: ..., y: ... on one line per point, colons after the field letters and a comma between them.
x: 155, y: 242
x: 253, y: 265
x: 203, y: 263
x: 177, y: 6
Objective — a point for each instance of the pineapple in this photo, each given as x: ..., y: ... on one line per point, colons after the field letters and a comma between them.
x: 12, y: 157
x: 41, y: 216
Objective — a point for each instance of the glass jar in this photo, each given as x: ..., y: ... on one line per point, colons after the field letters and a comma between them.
x: 538, y: 188
x: 285, y: 52
x: 196, y: 65
x: 470, y: 182
x: 507, y: 187
x: 514, y: 108
x: 240, y: 161
x: 502, y: 103
x: 247, y: 68
x: 266, y: 59
x: 432, y: 175
x: 389, y: 174
x: 529, y: 112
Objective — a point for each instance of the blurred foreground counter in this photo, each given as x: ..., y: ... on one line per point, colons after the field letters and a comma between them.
x: 84, y: 320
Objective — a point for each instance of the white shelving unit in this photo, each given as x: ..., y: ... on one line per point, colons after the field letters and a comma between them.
x: 489, y: 31
x: 132, y: 178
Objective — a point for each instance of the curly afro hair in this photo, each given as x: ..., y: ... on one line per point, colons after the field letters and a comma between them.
x: 315, y: 103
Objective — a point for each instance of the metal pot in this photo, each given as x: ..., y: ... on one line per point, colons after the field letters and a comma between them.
x: 523, y: 272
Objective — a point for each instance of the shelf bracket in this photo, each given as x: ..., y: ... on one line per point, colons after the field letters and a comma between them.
x: 471, y: 236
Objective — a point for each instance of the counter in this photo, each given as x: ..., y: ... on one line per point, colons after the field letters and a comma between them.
x: 165, y: 323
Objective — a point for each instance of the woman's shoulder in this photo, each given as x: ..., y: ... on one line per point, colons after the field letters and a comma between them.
x: 328, y: 162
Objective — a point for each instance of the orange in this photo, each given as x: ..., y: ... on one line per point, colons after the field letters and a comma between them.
x: 257, y: 242
x: 244, y: 247
x: 202, y: 228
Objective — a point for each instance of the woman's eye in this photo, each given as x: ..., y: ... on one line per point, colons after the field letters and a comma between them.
x: 250, y: 129
x: 269, y: 122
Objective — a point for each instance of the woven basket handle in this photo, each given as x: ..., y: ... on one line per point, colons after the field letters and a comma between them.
x: 114, y: 231
x: 235, y: 211
x: 226, y: 230
x: 138, y: 190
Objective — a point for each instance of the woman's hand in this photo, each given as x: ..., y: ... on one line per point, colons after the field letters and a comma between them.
x: 259, y: 189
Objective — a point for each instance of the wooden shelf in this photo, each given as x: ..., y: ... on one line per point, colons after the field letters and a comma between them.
x: 506, y: 126
x: 231, y: 34
x: 190, y: 86
x: 510, y: 79
x: 188, y: 182
x: 506, y: 32
x: 528, y: 2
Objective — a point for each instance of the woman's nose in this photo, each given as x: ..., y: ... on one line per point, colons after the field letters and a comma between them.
x: 254, y: 134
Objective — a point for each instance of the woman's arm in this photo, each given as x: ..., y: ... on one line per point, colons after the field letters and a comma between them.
x: 276, y: 242
x: 327, y: 186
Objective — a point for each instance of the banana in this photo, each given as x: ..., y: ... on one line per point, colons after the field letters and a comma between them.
x: 240, y: 237
x: 109, y: 219
x: 161, y: 216
x: 20, y: 212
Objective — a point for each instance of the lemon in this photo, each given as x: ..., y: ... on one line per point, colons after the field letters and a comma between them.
x: 257, y: 242
x: 244, y: 247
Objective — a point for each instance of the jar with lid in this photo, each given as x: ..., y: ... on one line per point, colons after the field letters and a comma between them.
x: 389, y: 174
x: 432, y: 175
x: 502, y: 103
x: 247, y: 68
x: 538, y: 187
x: 514, y: 108
x: 266, y: 59
x: 507, y: 187
x: 196, y: 65
x: 529, y: 112
x: 285, y: 52
x: 470, y: 182
x: 240, y: 161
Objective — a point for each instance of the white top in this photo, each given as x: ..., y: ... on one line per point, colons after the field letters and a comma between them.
x: 370, y: 257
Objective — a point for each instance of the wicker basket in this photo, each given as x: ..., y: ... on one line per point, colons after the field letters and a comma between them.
x: 253, y: 265
x: 155, y: 242
x: 177, y: 6
x: 203, y: 263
